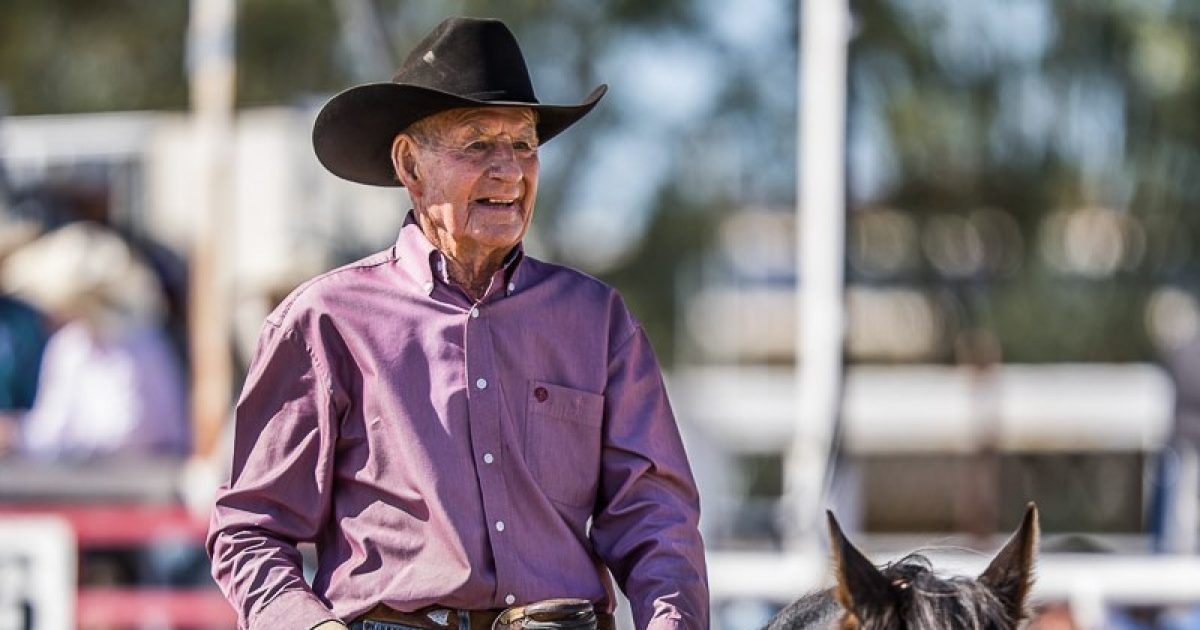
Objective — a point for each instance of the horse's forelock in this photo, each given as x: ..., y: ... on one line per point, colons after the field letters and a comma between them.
x: 935, y: 603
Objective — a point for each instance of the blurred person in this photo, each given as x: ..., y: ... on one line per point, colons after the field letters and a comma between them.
x: 1175, y: 501
x: 23, y: 334
x: 84, y: 196
x: 23, y: 337
x: 1175, y: 520
x: 458, y: 426
x: 109, y: 382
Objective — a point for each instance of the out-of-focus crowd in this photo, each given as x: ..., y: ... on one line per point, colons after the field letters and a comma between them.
x: 92, y: 333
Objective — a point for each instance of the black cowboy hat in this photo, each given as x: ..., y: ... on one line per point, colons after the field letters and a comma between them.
x: 464, y: 62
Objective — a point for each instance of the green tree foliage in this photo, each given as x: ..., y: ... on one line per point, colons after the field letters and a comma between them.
x: 66, y: 56
x: 71, y: 56
x: 287, y: 52
x: 1034, y: 107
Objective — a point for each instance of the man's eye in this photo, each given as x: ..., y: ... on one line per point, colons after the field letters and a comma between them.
x: 479, y: 146
x: 521, y: 145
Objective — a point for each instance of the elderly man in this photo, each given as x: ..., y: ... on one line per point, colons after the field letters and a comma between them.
x: 469, y: 435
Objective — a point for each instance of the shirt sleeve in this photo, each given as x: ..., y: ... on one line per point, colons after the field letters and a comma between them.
x: 279, y: 487
x: 645, y: 527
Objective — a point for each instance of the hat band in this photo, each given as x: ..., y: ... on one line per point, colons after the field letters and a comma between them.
x: 498, y: 95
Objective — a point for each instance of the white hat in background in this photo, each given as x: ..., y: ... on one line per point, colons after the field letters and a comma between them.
x: 84, y: 270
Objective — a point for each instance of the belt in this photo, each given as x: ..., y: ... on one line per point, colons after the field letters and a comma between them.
x: 442, y: 618
x: 430, y: 618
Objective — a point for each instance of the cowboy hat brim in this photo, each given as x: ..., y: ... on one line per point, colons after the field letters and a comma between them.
x: 353, y: 133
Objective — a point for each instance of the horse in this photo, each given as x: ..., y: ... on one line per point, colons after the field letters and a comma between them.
x: 908, y: 595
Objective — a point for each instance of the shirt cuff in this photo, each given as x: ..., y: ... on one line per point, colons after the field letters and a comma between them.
x: 293, y: 609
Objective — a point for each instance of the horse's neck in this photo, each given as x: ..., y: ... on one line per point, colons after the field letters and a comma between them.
x: 815, y: 611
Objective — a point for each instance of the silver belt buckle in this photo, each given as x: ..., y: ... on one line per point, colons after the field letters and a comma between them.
x: 440, y: 616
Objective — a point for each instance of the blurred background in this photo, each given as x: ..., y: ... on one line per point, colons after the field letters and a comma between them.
x: 1008, y: 304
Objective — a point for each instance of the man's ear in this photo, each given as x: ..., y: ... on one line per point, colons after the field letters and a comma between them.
x: 1010, y: 575
x: 404, y: 162
x: 860, y: 586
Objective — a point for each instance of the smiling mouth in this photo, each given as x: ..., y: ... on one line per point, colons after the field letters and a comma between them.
x: 496, y: 202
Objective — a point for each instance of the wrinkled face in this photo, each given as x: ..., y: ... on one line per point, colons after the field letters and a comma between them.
x: 472, y: 175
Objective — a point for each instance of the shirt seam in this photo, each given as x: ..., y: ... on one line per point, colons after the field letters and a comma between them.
x: 325, y: 391
x: 637, y: 327
x: 293, y: 336
x: 386, y: 256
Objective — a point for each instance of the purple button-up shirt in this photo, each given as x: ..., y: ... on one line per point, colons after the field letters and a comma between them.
x: 465, y: 454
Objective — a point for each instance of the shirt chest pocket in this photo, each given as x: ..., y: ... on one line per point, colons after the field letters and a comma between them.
x: 563, y: 441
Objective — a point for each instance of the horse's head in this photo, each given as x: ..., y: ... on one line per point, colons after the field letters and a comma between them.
x: 907, y: 594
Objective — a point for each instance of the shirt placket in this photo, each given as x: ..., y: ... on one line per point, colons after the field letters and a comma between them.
x: 484, y: 406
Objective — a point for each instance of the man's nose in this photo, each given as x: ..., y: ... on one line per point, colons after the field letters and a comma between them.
x: 504, y: 164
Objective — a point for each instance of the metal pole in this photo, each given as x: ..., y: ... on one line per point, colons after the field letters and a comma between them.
x: 211, y: 69
x: 824, y: 29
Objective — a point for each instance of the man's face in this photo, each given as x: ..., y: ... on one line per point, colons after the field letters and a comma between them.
x: 476, y: 173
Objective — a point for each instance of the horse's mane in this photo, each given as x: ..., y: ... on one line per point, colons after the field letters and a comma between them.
x: 908, y: 595
x: 930, y: 602
x: 815, y: 610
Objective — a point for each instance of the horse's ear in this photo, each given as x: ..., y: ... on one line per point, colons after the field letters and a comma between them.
x: 1010, y: 575
x: 860, y: 586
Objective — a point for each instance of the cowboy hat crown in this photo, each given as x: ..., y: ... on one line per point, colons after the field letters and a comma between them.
x: 464, y: 62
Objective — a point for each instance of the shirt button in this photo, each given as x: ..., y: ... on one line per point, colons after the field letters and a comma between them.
x: 428, y: 286
x: 511, y: 287
x: 510, y: 599
x: 499, y: 526
x: 541, y: 394
x: 475, y: 312
x: 481, y: 383
x: 487, y: 458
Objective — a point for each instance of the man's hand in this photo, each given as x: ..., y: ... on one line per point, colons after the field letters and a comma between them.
x: 332, y: 624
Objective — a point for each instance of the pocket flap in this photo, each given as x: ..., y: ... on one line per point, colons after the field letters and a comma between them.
x: 565, y: 403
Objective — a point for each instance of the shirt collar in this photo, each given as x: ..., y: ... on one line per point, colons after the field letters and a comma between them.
x: 423, y: 262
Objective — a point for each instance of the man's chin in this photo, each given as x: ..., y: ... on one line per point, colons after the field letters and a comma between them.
x: 497, y: 238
